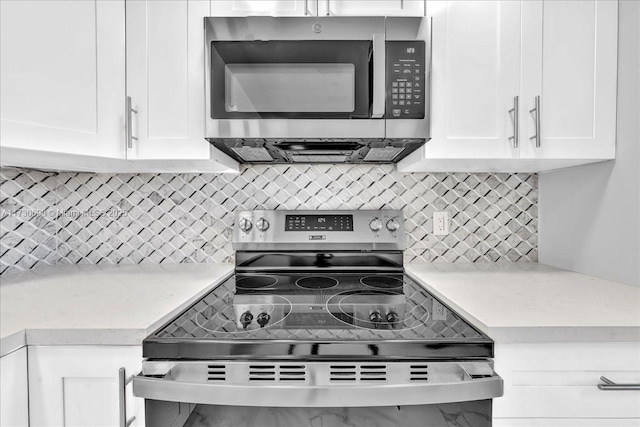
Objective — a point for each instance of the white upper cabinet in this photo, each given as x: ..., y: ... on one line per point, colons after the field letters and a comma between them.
x: 165, y: 80
x: 475, y: 77
x: 371, y: 7
x: 63, y: 76
x: 486, y: 53
x: 569, y: 60
x: 318, y: 7
x: 264, y: 7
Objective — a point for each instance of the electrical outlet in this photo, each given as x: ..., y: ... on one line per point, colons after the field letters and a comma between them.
x: 440, y: 223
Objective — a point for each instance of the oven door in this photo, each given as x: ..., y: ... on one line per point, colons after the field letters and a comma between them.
x: 172, y: 414
x: 295, y: 78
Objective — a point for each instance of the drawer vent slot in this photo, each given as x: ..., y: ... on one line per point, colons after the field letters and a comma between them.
x: 373, y: 373
x: 216, y: 373
x: 419, y: 373
x: 342, y: 373
x: 280, y: 373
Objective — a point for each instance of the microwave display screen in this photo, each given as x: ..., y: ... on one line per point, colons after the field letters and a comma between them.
x: 290, y: 88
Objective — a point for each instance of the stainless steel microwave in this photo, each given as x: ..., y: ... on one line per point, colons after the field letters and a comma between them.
x: 317, y: 89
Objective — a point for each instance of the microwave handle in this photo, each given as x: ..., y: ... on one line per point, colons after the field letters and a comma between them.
x: 379, y: 76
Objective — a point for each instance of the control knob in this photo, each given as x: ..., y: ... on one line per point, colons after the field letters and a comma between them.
x: 375, y: 225
x: 375, y: 318
x: 393, y: 225
x: 393, y: 318
x: 245, y: 225
x: 263, y: 319
x: 262, y: 224
x: 245, y: 319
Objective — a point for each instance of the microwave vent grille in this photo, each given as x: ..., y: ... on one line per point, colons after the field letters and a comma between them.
x: 385, y: 154
x: 253, y: 154
x: 324, y: 158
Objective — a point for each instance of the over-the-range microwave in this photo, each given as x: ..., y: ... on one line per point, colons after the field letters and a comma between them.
x: 317, y: 89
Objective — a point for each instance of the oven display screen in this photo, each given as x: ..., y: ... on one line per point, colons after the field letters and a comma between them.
x: 319, y: 223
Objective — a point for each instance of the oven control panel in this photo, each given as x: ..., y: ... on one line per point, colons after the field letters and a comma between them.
x: 341, y: 230
x: 405, y: 79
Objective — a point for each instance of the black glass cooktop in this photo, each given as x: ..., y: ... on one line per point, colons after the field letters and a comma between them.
x: 318, y: 315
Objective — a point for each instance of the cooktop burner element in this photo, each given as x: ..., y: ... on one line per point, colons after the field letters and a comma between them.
x: 256, y: 282
x: 382, y: 282
x: 317, y: 282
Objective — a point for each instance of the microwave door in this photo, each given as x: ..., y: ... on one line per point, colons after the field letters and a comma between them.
x: 316, y: 79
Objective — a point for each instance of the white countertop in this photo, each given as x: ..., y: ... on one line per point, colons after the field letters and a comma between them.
x: 122, y: 304
x: 528, y: 302
x: 95, y: 304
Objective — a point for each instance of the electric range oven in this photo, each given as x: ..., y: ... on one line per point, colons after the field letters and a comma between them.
x: 319, y: 324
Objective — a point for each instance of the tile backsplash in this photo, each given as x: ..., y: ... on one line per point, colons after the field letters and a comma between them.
x: 51, y: 218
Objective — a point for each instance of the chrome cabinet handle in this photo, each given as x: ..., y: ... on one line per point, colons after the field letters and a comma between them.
x: 122, y: 392
x: 328, y: 7
x: 129, y: 123
x: 516, y: 122
x: 611, y: 386
x: 537, y: 110
x: 379, y: 78
x: 306, y: 7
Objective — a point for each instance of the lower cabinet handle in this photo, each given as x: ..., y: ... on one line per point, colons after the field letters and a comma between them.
x: 123, y: 381
x: 611, y: 386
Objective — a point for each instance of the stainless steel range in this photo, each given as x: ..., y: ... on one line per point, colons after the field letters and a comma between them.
x: 319, y: 318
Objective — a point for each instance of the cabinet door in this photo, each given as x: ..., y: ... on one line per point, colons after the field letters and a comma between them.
x: 78, y: 386
x: 371, y: 8
x: 14, y: 399
x: 474, y: 79
x: 63, y: 76
x: 569, y: 59
x: 266, y: 8
x: 560, y: 381
x: 165, y: 80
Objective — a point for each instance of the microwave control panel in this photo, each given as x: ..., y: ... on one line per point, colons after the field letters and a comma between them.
x: 405, y: 79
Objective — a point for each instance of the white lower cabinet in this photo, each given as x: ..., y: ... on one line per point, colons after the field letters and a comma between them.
x: 79, y: 385
x: 14, y: 399
x: 556, y: 384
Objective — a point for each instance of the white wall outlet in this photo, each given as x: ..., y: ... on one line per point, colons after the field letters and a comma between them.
x: 440, y: 223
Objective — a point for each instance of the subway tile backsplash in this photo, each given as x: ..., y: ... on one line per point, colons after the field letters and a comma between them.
x: 60, y: 218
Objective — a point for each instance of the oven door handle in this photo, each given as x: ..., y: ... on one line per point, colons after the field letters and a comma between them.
x: 379, y: 77
x: 302, y: 395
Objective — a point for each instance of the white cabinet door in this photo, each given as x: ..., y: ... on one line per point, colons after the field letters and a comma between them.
x: 63, y: 76
x: 14, y: 399
x: 569, y: 59
x: 560, y: 381
x: 371, y: 7
x: 78, y: 385
x: 262, y: 7
x: 165, y: 80
x: 475, y: 77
